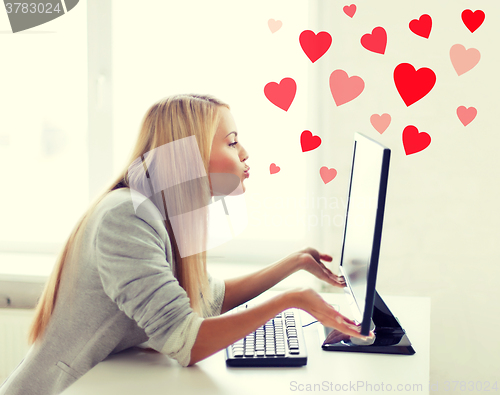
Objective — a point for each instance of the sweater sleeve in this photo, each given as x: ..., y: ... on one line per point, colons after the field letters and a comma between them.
x: 135, y: 274
x: 218, y: 288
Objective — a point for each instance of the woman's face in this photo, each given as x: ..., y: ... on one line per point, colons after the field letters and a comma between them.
x: 228, y: 155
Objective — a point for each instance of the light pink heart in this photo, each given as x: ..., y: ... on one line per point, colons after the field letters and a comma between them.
x: 350, y: 10
x: 274, y: 169
x: 327, y: 174
x: 380, y: 122
x: 345, y: 88
x: 274, y: 26
x: 463, y: 59
x: 466, y: 115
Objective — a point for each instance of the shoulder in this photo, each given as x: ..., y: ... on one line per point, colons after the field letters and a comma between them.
x: 123, y: 209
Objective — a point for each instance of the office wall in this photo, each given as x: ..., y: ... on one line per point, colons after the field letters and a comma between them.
x: 441, y: 221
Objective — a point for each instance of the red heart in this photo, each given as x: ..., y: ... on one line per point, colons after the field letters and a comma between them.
x: 422, y: 26
x: 282, y: 94
x: 274, y: 169
x: 327, y: 174
x: 415, y: 141
x: 350, y: 10
x: 412, y: 84
x: 315, y: 45
x: 308, y: 142
x: 376, y: 41
x: 473, y: 19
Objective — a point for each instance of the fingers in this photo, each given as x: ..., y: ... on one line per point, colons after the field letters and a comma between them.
x: 338, y: 280
x: 348, y: 326
x: 354, y: 330
x: 326, y: 257
x: 349, y: 321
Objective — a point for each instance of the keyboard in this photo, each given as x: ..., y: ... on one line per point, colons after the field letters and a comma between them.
x: 279, y: 343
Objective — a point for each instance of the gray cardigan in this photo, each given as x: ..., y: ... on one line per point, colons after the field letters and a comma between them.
x: 117, y: 292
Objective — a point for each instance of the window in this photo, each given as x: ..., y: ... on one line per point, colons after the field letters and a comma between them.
x: 43, y: 132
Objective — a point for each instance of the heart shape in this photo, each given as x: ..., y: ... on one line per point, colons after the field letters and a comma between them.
x: 422, y: 26
x: 345, y: 88
x: 308, y: 142
x: 274, y: 26
x: 415, y: 141
x: 463, y: 59
x: 412, y: 84
x: 376, y: 41
x: 315, y: 45
x: 273, y: 169
x: 473, y: 19
x: 380, y: 122
x: 466, y: 115
x: 327, y: 174
x: 350, y: 10
x: 282, y: 94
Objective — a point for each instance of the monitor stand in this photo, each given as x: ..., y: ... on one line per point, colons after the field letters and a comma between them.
x: 390, y: 337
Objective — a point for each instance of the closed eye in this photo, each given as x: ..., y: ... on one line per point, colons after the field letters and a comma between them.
x: 233, y: 144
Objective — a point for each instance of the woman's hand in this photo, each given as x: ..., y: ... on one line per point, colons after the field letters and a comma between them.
x: 309, y: 300
x: 310, y: 260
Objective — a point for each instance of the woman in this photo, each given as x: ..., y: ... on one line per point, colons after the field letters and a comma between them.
x: 133, y: 269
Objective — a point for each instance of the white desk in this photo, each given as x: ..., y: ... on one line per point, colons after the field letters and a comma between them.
x: 135, y: 371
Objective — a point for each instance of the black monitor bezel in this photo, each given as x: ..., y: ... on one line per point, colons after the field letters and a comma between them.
x: 377, y: 236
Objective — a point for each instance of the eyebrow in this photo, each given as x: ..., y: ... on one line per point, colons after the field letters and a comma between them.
x: 235, y: 133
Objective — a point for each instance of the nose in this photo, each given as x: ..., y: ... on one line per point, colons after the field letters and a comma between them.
x: 244, y: 154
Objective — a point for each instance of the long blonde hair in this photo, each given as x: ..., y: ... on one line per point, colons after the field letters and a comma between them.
x: 170, y: 119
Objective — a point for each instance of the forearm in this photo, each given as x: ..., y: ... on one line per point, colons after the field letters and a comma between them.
x: 216, y: 333
x: 241, y: 289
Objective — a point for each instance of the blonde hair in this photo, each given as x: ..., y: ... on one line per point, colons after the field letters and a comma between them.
x: 170, y: 119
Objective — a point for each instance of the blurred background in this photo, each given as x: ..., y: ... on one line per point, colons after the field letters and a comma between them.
x: 73, y: 92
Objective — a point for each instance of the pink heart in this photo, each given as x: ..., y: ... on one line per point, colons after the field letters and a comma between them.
x: 327, y: 174
x: 274, y: 169
x: 345, y: 88
x: 282, y: 94
x: 463, y: 59
x: 466, y: 115
x: 350, y: 10
x: 376, y: 41
x: 380, y: 122
x: 274, y: 26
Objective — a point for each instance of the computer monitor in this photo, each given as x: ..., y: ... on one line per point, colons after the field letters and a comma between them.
x: 360, y: 254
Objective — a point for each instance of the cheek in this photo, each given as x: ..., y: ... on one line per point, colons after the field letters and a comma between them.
x: 221, y: 162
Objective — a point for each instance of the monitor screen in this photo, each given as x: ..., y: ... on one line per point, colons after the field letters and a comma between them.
x: 363, y: 226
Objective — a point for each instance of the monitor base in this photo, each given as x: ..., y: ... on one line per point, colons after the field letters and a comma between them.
x: 390, y: 337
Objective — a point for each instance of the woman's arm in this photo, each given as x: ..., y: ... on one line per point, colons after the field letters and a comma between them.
x: 217, y: 333
x: 241, y: 289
